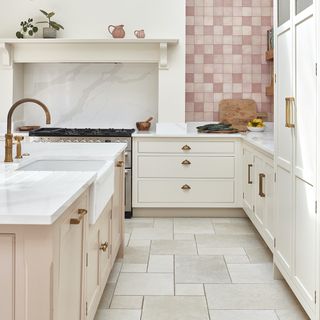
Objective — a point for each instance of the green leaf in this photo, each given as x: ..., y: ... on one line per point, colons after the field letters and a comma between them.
x: 25, y: 29
x: 35, y: 29
x: 42, y: 22
x: 56, y: 25
x: 19, y: 35
x: 51, y: 14
x: 30, y: 33
x: 44, y: 12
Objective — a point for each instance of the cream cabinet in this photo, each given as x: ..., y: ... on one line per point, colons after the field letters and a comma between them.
x: 186, y: 172
x: 295, y: 152
x: 59, y: 271
x: 258, y: 191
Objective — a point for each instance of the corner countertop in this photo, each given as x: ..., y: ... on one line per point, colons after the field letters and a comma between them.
x: 262, y: 140
x: 40, y: 197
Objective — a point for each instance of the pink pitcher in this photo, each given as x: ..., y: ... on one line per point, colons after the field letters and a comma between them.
x: 117, y: 31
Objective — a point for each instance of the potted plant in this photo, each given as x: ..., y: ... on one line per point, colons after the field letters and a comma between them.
x: 27, y: 29
x: 53, y: 27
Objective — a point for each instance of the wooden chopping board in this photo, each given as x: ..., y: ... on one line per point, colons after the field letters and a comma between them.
x: 238, y: 112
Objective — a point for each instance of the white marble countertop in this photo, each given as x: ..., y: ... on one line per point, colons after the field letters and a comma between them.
x: 40, y: 197
x: 263, y: 140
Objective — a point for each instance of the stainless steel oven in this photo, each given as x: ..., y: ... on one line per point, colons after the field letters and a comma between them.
x: 94, y: 136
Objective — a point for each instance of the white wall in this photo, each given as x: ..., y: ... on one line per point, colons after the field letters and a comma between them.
x: 89, y: 19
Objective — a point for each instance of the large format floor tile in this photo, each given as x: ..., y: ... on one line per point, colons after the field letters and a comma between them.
x: 193, y: 226
x: 151, y: 234
x: 126, y: 302
x: 175, y: 308
x: 160, y: 263
x: 259, y: 255
x: 234, y: 228
x: 243, y: 315
x: 144, y: 284
x: 182, y: 247
x: 136, y: 255
x: 251, y: 273
x: 201, y: 269
x: 118, y: 314
x: 267, y: 296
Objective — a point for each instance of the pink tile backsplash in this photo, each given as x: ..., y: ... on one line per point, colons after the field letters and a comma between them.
x: 226, y: 44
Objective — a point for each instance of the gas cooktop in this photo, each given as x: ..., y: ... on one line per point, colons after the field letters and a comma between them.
x: 86, y: 132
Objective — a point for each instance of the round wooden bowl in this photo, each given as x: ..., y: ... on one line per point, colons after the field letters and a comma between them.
x: 143, y: 125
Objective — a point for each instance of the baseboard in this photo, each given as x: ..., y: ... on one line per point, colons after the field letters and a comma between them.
x: 188, y: 213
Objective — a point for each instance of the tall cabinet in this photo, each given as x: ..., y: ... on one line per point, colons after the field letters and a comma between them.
x: 295, y: 154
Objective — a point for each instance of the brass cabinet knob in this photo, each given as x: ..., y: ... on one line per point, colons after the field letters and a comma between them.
x: 81, y: 214
x: 186, y: 187
x: 186, y: 162
x: 186, y: 148
x: 104, y: 246
x: 120, y: 163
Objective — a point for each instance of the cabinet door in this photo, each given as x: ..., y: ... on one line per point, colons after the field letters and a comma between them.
x: 284, y: 148
x: 72, y: 236
x: 305, y: 158
x: 259, y: 180
x: 269, y: 222
x: 7, y: 276
x: 248, y: 177
x: 118, y: 207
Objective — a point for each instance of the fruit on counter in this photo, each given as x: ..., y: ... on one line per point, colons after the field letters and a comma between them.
x: 257, y: 123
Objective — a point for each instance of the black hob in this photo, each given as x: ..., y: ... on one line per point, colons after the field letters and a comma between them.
x: 86, y: 132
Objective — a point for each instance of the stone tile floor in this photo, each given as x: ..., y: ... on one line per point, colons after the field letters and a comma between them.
x: 196, y: 269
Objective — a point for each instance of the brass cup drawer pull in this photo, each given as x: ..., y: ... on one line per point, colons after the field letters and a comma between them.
x: 261, y: 178
x: 186, y: 148
x: 81, y: 213
x: 104, y: 246
x: 186, y: 162
x: 249, y: 173
x: 186, y: 187
x: 120, y: 164
x: 289, y: 114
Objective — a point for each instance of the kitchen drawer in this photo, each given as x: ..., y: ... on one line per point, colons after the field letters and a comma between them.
x: 186, y: 147
x: 186, y: 167
x: 201, y: 191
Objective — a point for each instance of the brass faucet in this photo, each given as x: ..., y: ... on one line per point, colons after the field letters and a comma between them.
x: 9, y: 135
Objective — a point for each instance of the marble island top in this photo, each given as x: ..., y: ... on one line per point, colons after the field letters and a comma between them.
x: 40, y: 197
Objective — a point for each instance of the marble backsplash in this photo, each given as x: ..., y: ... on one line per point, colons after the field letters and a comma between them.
x: 92, y: 95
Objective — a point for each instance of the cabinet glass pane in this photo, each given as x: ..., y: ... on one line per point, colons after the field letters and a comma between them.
x: 302, y: 4
x: 283, y: 11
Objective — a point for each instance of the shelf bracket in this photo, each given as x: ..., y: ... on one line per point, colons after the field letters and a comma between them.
x: 163, y: 62
x: 6, y: 52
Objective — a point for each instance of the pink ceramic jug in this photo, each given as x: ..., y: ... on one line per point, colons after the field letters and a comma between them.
x: 117, y: 31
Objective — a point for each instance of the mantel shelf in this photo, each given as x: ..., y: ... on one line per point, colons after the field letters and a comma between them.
x: 86, y: 50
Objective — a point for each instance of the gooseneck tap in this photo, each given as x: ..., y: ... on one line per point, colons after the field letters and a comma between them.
x: 9, y: 135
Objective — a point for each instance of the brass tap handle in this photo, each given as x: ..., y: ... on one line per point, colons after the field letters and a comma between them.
x: 186, y: 162
x: 186, y: 148
x: 186, y: 187
x: 120, y: 163
x: 289, y: 115
x: 81, y: 213
x: 261, y: 177
x: 18, y: 139
x: 104, y: 246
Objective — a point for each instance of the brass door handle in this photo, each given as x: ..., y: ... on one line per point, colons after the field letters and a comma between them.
x: 186, y: 148
x: 261, y: 177
x: 104, y: 246
x: 120, y: 163
x: 81, y: 213
x: 186, y: 162
x: 289, y: 116
x: 249, y: 173
x: 186, y: 187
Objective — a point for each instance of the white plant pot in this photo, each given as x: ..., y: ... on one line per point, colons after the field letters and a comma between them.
x: 49, y: 33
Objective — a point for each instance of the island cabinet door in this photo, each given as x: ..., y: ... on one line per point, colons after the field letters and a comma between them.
x: 117, y: 215
x: 72, y: 262
x: 7, y: 276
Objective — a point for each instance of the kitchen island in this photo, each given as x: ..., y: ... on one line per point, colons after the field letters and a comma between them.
x: 60, y: 230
